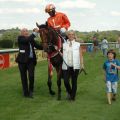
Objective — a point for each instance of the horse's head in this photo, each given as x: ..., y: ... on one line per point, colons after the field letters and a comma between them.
x: 48, y: 36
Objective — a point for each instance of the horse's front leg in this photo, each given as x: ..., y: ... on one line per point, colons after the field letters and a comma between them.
x: 59, y: 82
x: 49, y: 83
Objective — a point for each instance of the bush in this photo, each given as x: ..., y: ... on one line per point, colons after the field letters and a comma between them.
x: 6, y: 44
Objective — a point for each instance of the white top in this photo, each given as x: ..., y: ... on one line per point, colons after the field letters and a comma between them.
x: 104, y: 44
x: 71, y: 55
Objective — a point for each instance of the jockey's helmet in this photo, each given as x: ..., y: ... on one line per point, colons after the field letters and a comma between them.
x: 49, y: 8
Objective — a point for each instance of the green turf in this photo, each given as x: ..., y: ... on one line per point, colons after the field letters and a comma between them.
x: 90, y: 104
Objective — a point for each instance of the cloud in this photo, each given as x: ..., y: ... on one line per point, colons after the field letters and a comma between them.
x: 109, y: 26
x: 77, y: 4
x: 62, y: 3
x: 14, y: 25
x: 115, y: 13
x: 19, y: 10
x: 82, y: 15
x: 21, y: 0
x: 28, y: 2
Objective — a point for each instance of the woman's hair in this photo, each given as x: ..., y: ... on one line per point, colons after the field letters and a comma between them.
x: 73, y: 32
x: 113, y: 52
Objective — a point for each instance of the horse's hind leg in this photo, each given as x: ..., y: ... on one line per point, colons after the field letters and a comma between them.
x: 50, y: 73
x: 59, y: 83
x: 49, y: 83
x: 59, y: 89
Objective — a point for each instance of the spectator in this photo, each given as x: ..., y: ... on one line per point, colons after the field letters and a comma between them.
x: 95, y: 44
x: 73, y: 61
x: 119, y: 44
x: 26, y: 60
x: 104, y: 46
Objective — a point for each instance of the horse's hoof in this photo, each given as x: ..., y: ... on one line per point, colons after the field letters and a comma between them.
x: 52, y: 92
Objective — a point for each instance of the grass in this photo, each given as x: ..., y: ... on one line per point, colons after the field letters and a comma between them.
x: 90, y: 104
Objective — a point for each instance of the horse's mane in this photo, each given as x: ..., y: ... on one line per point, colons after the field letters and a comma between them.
x: 54, y: 35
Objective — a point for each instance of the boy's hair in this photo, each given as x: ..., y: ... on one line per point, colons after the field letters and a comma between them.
x: 113, y: 52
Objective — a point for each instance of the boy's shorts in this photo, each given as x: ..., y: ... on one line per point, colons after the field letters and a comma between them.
x: 111, y: 87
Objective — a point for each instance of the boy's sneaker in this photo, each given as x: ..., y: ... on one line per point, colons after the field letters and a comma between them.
x: 114, y: 98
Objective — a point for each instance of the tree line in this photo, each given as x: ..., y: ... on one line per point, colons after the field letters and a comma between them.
x: 8, y: 38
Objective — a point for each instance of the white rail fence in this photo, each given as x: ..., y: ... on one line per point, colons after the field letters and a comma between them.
x: 8, y: 56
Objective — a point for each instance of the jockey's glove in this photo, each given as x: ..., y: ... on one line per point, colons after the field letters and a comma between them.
x: 62, y: 30
x: 35, y: 33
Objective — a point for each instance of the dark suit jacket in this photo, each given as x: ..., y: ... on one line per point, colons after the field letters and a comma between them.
x: 24, y: 48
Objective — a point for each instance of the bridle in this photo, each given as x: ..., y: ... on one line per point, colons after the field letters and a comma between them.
x: 49, y: 42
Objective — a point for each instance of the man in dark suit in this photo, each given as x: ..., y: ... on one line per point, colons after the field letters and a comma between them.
x: 26, y: 60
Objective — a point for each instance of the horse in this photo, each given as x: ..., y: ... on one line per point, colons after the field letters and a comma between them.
x: 49, y: 38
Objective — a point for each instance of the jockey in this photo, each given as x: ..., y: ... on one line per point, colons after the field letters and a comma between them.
x: 58, y: 21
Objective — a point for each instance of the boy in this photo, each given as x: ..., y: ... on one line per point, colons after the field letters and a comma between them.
x: 111, y: 67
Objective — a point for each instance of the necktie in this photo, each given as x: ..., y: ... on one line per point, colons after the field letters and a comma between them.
x: 31, y: 52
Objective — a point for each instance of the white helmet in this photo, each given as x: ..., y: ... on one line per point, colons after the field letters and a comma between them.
x: 49, y: 8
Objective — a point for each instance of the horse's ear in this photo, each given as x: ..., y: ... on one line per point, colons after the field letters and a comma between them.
x: 46, y: 23
x: 37, y: 25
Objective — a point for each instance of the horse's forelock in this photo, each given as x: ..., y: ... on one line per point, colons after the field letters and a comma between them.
x: 43, y: 26
x: 53, y: 37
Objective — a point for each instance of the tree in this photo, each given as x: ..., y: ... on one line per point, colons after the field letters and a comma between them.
x: 11, y: 36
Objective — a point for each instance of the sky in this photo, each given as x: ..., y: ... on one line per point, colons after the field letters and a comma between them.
x: 84, y: 15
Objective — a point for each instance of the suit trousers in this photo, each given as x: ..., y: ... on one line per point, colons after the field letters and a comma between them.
x: 73, y: 74
x: 27, y: 76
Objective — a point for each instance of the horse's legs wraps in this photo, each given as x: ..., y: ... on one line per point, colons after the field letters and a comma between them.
x: 59, y: 88
x: 49, y: 83
x: 59, y: 82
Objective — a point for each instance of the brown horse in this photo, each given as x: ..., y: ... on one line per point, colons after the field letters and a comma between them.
x: 49, y: 39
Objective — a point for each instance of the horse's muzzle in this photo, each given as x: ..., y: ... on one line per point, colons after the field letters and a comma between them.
x: 45, y: 49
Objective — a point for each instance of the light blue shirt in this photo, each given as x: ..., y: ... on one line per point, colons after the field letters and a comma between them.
x: 111, y: 71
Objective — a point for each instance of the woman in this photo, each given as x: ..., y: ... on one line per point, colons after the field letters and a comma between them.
x: 72, y: 62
